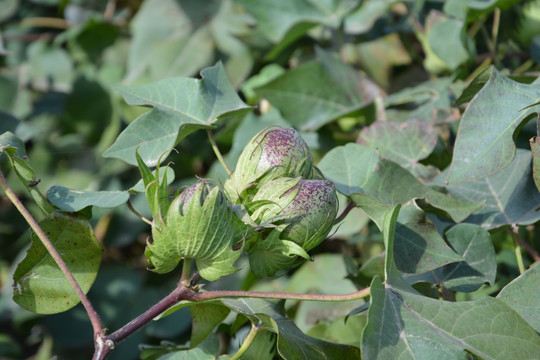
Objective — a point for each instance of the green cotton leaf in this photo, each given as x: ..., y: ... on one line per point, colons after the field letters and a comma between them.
x: 292, y: 344
x: 205, y: 317
x: 11, y: 144
x: 262, y: 348
x: 74, y: 200
x: 510, y: 196
x: 405, y: 143
x: 535, y: 148
x: 295, y: 17
x: 155, y: 187
x: 39, y: 284
x: 446, y: 39
x: 477, y: 268
x: 139, y: 187
x: 429, y: 101
x: 317, y: 93
x: 406, y: 325
x: 485, y: 142
x: 202, y: 227
x: 421, y: 248
x: 14, y: 149
x: 522, y: 295
x: 475, y: 86
x: 207, y: 350
x: 270, y: 255
x: 180, y: 107
x: 362, y: 19
x: 376, y: 184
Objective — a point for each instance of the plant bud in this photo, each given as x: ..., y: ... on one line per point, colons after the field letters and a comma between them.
x: 272, y: 153
x: 199, y: 225
x: 303, y: 211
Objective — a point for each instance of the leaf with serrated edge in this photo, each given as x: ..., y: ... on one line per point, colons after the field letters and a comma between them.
x: 180, y: 106
x: 484, y: 145
x: 39, y: 284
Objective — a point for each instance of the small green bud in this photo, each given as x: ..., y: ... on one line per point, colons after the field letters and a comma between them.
x: 302, y: 212
x: 199, y: 225
x: 272, y: 153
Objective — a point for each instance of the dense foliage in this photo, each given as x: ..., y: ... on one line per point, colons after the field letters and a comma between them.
x: 411, y: 179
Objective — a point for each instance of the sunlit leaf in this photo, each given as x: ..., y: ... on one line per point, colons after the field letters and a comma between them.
x: 180, y: 106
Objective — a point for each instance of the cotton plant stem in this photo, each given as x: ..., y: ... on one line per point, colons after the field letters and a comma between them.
x: 255, y: 329
x: 218, y: 153
x: 92, y: 314
x: 517, y: 250
x: 137, y: 214
x: 106, y: 343
x: 345, y: 212
x: 280, y: 295
x: 186, y: 272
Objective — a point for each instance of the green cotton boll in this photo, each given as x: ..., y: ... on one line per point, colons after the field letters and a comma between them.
x: 296, y: 215
x: 199, y: 225
x: 272, y: 153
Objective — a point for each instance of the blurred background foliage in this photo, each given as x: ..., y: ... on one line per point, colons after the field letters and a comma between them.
x: 60, y: 61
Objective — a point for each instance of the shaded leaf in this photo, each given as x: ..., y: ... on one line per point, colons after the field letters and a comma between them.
x: 207, y: 350
x: 405, y: 143
x: 475, y: 86
x: 181, y: 106
x: 39, y: 284
x: 431, y: 101
x: 535, y: 148
x: 421, y: 248
x: 74, y: 200
x: 522, y: 295
x: 478, y: 266
x: 484, y: 144
x: 406, y: 325
x: 205, y: 317
x: 292, y: 343
x: 510, y: 196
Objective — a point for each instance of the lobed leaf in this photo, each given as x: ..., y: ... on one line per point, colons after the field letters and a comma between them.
x: 406, y: 325
x: 180, y: 107
x: 485, y: 141
x: 510, y: 196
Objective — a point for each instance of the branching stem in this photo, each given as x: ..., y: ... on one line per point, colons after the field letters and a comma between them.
x: 217, y: 152
x: 92, y: 314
